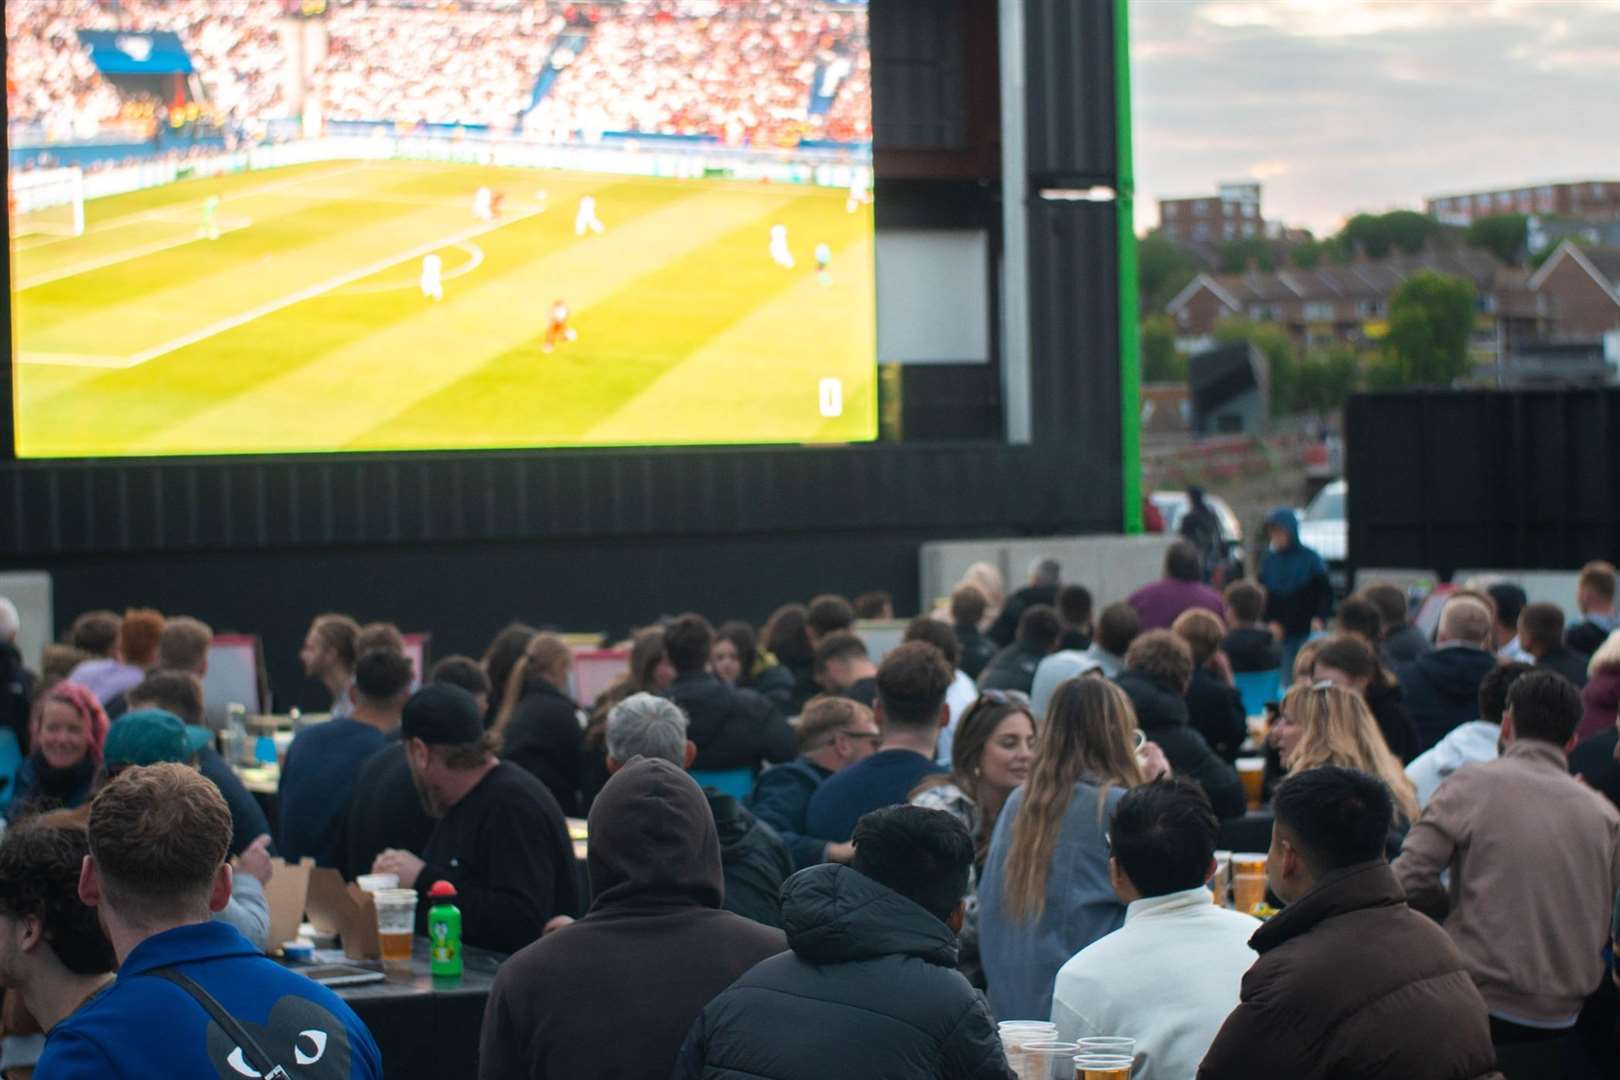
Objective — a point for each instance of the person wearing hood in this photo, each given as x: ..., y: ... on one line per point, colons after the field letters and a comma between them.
x: 67, y: 735
x: 579, y: 1002
x: 1158, y: 671
x: 870, y: 988
x: 1441, y: 688
x: 1299, y: 597
x: 754, y: 855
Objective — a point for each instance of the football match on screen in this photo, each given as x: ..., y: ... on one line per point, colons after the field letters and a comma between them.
x: 294, y: 226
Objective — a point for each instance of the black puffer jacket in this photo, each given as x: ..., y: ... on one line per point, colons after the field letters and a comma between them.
x: 869, y: 991
x: 731, y: 728
x: 1384, y: 702
x: 544, y: 737
x: 1441, y: 689
x: 1162, y: 716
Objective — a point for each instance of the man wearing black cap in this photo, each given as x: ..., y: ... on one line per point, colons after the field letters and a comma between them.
x: 501, y: 839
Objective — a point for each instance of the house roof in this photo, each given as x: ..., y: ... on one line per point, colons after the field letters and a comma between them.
x: 1602, y: 263
x: 1360, y: 280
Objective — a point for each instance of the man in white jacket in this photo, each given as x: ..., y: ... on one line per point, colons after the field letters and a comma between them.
x: 1170, y: 975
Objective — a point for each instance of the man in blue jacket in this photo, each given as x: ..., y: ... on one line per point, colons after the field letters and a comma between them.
x: 193, y: 997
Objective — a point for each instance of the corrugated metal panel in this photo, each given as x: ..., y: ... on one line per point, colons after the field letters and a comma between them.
x: 1524, y: 479
x: 919, y: 76
x: 1070, y: 74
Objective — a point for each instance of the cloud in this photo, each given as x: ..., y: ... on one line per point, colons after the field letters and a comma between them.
x: 1349, y: 105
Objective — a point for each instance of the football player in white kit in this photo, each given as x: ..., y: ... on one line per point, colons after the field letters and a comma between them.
x: 586, y: 217
x: 484, y: 204
x: 823, y: 260
x: 780, y: 255
x: 432, y: 277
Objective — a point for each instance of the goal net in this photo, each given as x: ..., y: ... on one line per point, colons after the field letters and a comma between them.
x: 49, y: 201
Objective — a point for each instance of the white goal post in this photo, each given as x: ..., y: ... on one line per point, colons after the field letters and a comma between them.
x: 47, y: 201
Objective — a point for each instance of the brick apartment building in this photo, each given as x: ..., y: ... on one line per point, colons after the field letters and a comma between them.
x: 1350, y: 303
x: 1233, y: 213
x: 1586, y: 200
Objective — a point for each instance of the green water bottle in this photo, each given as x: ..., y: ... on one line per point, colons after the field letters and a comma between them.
x: 444, y: 932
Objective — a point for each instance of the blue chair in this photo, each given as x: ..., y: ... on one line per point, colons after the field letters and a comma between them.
x: 1257, y: 688
x: 738, y: 783
x: 10, y: 761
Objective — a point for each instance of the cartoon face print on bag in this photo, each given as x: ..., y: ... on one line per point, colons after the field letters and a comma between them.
x: 301, y: 1037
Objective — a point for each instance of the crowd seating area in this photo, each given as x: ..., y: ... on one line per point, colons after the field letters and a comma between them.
x: 743, y: 74
x: 746, y: 73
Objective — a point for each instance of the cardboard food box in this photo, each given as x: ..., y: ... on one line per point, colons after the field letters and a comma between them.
x: 301, y: 889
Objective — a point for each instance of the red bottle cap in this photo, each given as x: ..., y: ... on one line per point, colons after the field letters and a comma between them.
x: 442, y: 890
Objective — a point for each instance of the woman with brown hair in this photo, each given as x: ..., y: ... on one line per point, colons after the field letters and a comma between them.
x: 540, y: 726
x: 991, y: 756
x: 1350, y: 664
x: 787, y: 637
x: 1324, y: 725
x: 650, y: 672
x: 1045, y: 893
x: 504, y: 651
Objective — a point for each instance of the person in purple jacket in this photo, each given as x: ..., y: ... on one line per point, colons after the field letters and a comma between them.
x: 1181, y: 589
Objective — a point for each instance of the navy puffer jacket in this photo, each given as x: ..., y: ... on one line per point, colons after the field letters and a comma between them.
x: 869, y: 990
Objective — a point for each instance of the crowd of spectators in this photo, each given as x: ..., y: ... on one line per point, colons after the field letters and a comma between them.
x: 876, y: 852
x: 743, y: 73
x: 236, y: 49
x: 759, y: 73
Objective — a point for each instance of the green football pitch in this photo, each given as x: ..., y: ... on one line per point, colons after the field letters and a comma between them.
x: 302, y: 327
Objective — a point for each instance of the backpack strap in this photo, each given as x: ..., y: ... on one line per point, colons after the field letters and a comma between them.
x: 250, y: 1047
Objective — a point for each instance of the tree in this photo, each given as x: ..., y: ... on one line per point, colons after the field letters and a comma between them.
x: 1325, y: 380
x: 1430, y: 317
x: 1507, y: 236
x: 1162, y: 270
x: 1236, y: 255
x: 1379, y: 234
x: 1160, y: 360
x: 1309, y: 254
x: 1282, y: 361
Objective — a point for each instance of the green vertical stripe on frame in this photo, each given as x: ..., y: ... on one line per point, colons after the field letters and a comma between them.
x: 1130, y: 366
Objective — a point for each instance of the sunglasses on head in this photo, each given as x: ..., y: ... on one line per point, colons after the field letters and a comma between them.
x: 1004, y: 697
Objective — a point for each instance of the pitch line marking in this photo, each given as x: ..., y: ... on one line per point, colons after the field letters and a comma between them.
x: 320, y: 287
x: 157, y: 214
x: 126, y: 255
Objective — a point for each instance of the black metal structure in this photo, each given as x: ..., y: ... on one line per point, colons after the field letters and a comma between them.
x: 459, y: 543
x: 1452, y: 479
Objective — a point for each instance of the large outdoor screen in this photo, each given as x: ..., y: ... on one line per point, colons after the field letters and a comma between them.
x: 302, y: 226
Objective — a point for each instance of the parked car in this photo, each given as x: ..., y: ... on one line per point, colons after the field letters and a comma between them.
x: 1173, y: 504
x: 1322, y: 526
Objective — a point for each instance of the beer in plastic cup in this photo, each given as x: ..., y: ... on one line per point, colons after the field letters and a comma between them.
x: 1252, y: 771
x: 1094, y: 1066
x: 1248, y: 881
x: 1120, y: 1045
x: 396, y: 923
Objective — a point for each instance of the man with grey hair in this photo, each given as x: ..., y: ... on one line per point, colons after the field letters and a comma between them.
x: 16, y: 681
x: 1045, y: 579
x: 756, y: 860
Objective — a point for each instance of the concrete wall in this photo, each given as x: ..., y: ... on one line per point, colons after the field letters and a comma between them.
x: 1112, y: 567
x: 30, y: 590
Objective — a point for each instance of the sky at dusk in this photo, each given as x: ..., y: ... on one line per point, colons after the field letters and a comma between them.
x: 1346, y: 105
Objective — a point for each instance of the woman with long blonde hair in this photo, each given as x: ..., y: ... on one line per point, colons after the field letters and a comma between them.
x: 1045, y: 894
x: 1324, y: 725
x: 540, y: 727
